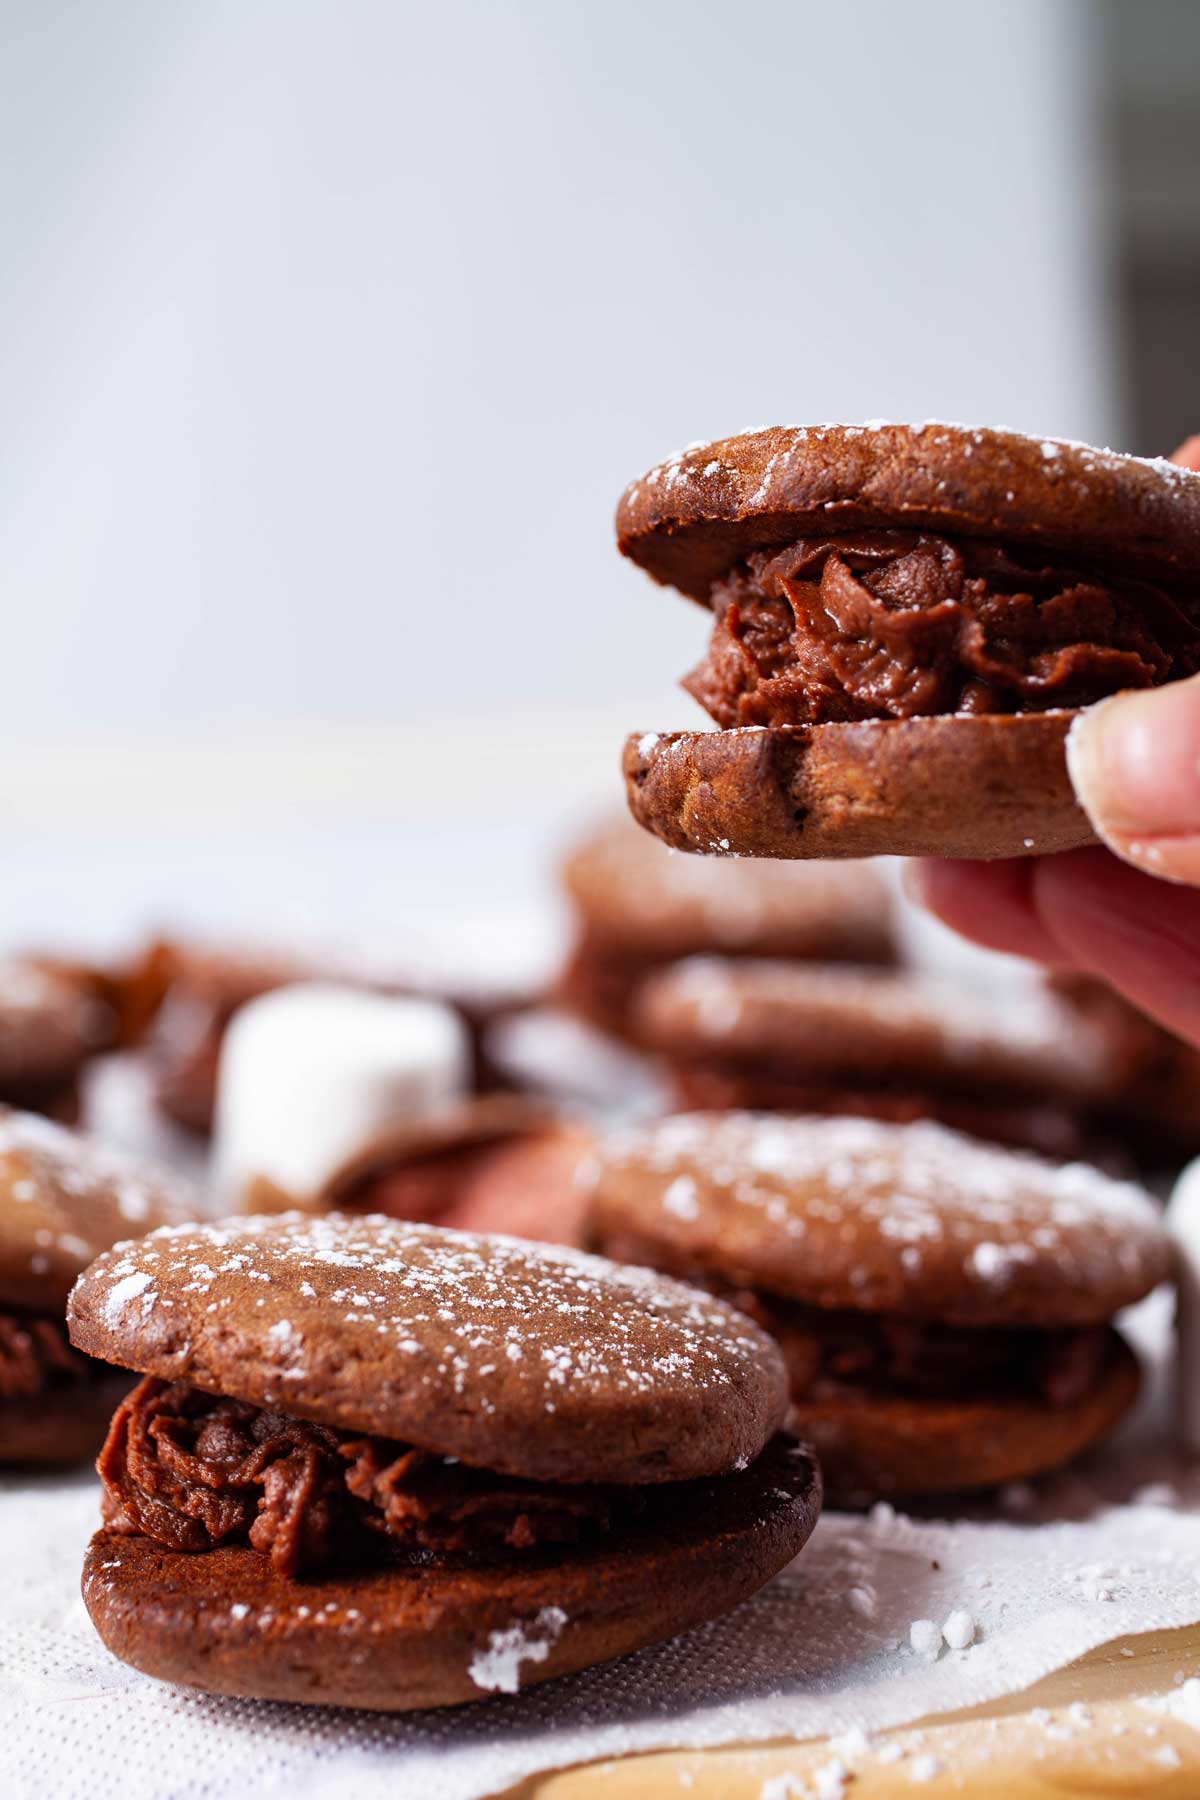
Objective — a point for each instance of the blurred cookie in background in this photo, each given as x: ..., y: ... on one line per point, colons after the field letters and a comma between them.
x: 944, y: 1307
x: 200, y: 988
x: 52, y: 1022
x: 330, y: 1097
x: 1019, y: 1065
x: 637, y: 905
x: 203, y: 987
x: 500, y: 1164
x: 63, y: 1200
x: 1155, y: 1110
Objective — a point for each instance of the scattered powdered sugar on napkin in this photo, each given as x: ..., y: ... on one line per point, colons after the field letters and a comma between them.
x: 860, y: 1633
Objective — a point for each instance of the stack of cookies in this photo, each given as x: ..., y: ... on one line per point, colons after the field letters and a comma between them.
x: 637, y: 909
x: 796, y: 989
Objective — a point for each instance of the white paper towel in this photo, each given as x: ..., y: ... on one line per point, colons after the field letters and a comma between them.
x: 1111, y: 1547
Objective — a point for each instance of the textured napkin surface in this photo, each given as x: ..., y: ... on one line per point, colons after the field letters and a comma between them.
x: 1111, y: 1547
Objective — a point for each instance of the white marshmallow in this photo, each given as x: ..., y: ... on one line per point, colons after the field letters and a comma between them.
x: 310, y: 1075
x: 1183, y: 1223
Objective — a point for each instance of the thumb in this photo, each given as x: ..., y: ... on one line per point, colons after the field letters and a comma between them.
x: 1135, y: 766
x: 1134, y: 761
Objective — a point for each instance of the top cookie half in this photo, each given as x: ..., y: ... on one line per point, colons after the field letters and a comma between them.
x: 690, y: 519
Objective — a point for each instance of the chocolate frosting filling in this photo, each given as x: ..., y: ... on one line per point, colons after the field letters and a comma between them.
x: 897, y: 624
x: 830, y: 1354
x: 193, y: 1470
x: 35, y: 1355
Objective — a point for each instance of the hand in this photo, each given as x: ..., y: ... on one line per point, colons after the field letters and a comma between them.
x: 1128, y: 913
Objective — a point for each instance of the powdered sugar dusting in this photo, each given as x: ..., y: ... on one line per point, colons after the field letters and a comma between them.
x: 816, y: 1191
x: 498, y: 1668
x: 487, y: 1324
x: 998, y: 1262
x: 1183, y: 1703
x: 71, y: 1198
x: 702, y: 460
x: 119, y: 1296
x: 682, y: 1198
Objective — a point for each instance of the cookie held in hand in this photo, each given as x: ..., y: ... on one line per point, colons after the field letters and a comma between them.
x: 906, y: 620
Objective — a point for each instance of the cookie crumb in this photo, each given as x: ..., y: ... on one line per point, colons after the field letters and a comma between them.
x: 829, y: 1781
x: 863, y: 1601
x: 854, y: 1742
x: 925, y: 1767
x: 782, y: 1787
x: 498, y: 1668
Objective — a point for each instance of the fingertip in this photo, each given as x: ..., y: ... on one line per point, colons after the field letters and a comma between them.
x: 1134, y: 762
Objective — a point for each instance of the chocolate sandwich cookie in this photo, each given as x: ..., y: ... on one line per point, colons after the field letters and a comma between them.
x: 907, y: 618
x: 384, y: 1465
x: 62, y: 1201
x: 1020, y: 1065
x: 51, y: 1024
x: 943, y: 1307
x: 637, y: 907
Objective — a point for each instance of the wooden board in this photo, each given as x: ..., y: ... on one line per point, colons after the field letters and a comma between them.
x: 1085, y: 1730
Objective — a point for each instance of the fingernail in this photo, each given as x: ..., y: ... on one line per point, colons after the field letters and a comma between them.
x: 1134, y: 762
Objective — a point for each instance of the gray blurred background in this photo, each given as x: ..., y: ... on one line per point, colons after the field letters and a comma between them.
x: 331, y: 332
x: 1149, y: 61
